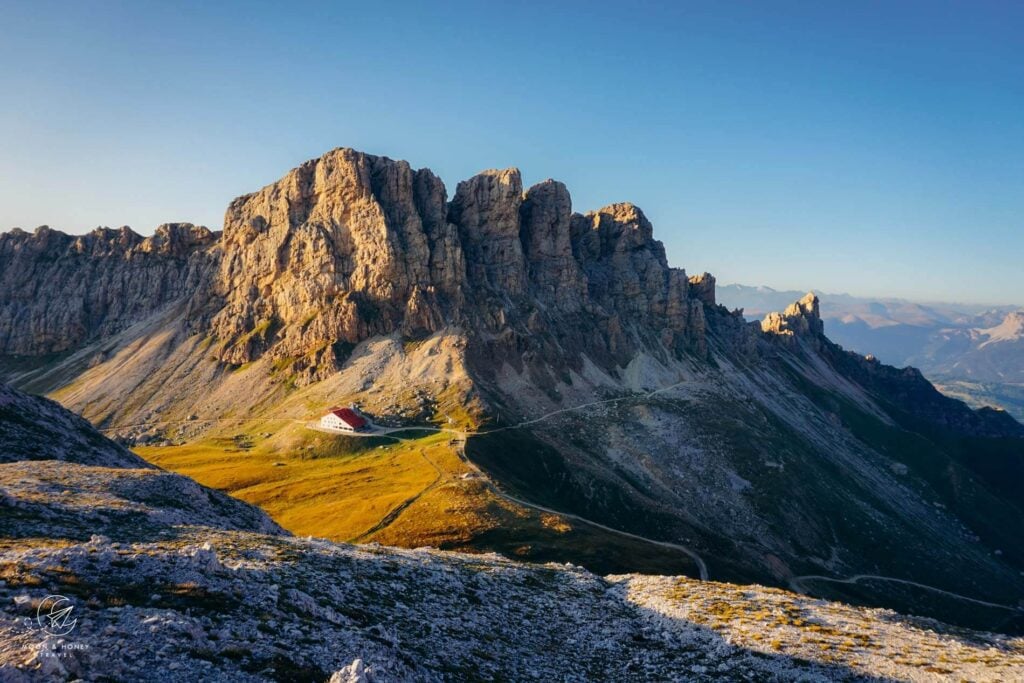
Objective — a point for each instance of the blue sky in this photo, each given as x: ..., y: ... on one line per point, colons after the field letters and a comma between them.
x: 873, y: 148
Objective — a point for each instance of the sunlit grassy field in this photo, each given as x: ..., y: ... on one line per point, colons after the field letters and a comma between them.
x: 414, y: 491
x: 311, y: 483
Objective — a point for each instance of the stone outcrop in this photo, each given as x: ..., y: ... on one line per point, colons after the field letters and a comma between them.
x: 547, y: 240
x: 59, y: 291
x: 486, y: 209
x: 625, y: 266
x: 800, y: 320
x: 703, y: 287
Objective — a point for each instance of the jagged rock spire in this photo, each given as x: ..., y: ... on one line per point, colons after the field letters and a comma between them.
x: 801, y: 319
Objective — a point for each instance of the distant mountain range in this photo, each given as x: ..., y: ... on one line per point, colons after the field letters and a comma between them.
x: 972, y: 352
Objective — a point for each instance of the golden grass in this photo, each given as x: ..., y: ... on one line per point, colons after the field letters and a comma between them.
x: 448, y: 515
x: 408, y: 492
x: 312, y: 483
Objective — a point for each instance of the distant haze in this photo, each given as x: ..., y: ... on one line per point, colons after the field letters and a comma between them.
x: 759, y: 300
x: 868, y: 147
x: 971, y: 352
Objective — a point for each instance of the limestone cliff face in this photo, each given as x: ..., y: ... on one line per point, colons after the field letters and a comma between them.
x: 349, y: 246
x: 554, y: 273
x: 629, y: 277
x: 800, y: 320
x: 59, y: 291
x: 486, y: 210
x: 342, y: 248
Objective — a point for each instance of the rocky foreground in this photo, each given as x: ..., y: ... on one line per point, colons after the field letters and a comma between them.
x: 203, y: 604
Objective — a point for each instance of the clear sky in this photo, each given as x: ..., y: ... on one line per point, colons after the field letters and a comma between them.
x: 869, y: 147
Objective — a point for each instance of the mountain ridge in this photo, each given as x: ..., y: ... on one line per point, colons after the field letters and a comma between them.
x: 973, y: 352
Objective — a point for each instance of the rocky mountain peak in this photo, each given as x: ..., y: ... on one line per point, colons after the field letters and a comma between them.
x: 703, y: 288
x: 1010, y: 329
x: 352, y: 245
x: 486, y: 210
x: 801, y: 319
x: 807, y: 308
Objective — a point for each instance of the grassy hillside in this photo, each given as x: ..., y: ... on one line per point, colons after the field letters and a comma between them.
x: 413, y: 489
x: 315, y: 484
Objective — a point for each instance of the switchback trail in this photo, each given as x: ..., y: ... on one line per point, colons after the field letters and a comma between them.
x: 796, y: 583
x: 702, y: 568
x: 546, y: 416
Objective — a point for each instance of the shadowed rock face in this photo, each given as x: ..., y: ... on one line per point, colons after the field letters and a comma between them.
x: 59, y: 291
x: 486, y: 210
x: 554, y: 273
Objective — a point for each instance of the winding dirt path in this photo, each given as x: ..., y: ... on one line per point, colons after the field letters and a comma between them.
x: 796, y: 583
x: 702, y: 567
x: 392, y: 515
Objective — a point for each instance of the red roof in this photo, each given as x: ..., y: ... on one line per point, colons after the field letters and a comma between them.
x: 349, y: 417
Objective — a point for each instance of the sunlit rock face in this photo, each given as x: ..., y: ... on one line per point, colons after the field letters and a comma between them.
x: 351, y: 245
x: 801, y: 319
x: 337, y: 250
